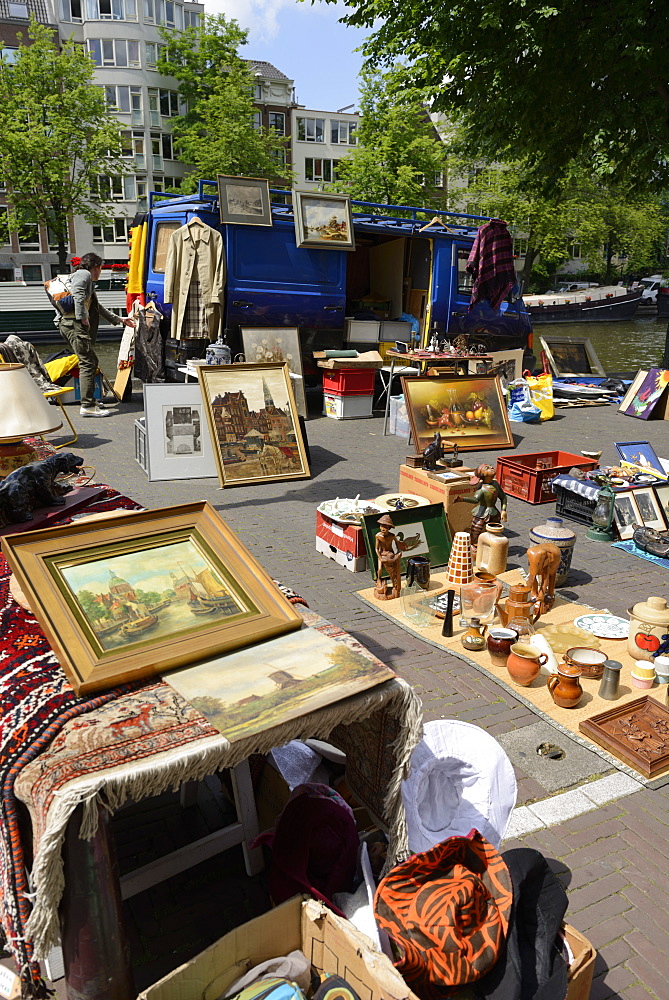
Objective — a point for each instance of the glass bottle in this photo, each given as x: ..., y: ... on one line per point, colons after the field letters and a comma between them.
x: 492, y: 550
x: 523, y: 626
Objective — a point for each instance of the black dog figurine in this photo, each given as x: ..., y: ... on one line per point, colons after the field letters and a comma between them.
x: 432, y: 453
x: 34, y: 485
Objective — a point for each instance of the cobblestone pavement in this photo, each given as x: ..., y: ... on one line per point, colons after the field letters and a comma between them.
x: 613, y: 859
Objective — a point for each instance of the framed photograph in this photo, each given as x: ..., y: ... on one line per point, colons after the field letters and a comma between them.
x: 138, y: 595
x: 649, y: 508
x: 469, y: 411
x: 626, y: 514
x: 641, y: 454
x: 277, y: 343
x: 662, y: 496
x: 645, y: 392
x: 253, y: 421
x: 178, y: 440
x: 571, y: 356
x: 420, y: 531
x: 323, y: 220
x: 507, y: 365
x: 244, y: 201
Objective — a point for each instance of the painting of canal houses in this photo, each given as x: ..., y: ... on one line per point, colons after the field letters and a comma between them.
x: 253, y: 423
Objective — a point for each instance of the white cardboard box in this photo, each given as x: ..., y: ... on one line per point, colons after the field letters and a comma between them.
x: 354, y: 564
x: 346, y: 407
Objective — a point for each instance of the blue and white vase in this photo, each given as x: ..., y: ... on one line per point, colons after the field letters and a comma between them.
x: 218, y: 353
x: 555, y: 531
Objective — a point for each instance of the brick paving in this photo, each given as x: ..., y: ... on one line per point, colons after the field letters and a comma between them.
x: 612, y: 859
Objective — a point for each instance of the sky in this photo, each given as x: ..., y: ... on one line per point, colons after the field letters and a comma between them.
x: 305, y: 42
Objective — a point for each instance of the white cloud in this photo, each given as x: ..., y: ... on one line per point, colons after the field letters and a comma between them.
x: 261, y: 17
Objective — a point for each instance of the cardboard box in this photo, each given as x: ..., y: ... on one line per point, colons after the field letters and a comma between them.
x: 347, y: 407
x: 354, y: 564
x: 331, y: 943
x: 368, y: 359
x: 583, y: 966
x: 347, y: 537
x: 418, y: 482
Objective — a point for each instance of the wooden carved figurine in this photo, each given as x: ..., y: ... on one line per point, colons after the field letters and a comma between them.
x: 486, y: 498
x: 543, y: 561
x: 389, y: 554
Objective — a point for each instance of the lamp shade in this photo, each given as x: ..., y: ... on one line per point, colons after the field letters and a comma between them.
x: 24, y: 409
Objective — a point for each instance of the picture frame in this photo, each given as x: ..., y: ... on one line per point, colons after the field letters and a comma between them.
x: 661, y: 491
x: 649, y: 508
x: 244, y: 201
x: 253, y: 422
x: 429, y: 522
x: 323, y: 220
x: 508, y: 365
x: 431, y: 401
x: 177, y: 433
x: 645, y: 393
x: 640, y: 454
x: 571, y: 356
x: 277, y: 343
x: 626, y: 514
x: 92, y: 585
x: 631, y: 392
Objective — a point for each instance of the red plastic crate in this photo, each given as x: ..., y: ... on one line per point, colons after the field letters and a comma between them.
x: 530, y: 477
x: 349, y: 381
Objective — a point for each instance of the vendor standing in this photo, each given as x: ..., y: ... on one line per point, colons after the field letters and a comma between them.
x: 79, y: 327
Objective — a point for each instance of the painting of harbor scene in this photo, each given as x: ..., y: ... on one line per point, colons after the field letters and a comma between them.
x: 323, y: 220
x: 253, y: 689
x: 253, y: 422
x: 128, y: 597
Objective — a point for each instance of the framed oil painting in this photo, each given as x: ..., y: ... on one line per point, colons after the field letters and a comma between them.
x: 420, y: 531
x: 626, y: 514
x: 138, y: 595
x: 649, y: 508
x: 244, y: 201
x: 323, y: 220
x: 277, y: 343
x: 270, y: 684
x: 469, y: 411
x: 508, y: 365
x: 641, y: 454
x: 644, y: 393
x: 571, y: 356
x: 178, y: 439
x: 253, y: 423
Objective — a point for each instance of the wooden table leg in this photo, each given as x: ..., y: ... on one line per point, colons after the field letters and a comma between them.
x: 95, y: 948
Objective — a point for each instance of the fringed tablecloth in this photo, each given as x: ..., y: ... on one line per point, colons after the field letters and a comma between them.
x: 59, y: 751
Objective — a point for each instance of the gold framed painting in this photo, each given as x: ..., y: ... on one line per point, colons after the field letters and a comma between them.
x: 323, y: 220
x: 125, y: 598
x: 254, y: 424
x: 470, y: 411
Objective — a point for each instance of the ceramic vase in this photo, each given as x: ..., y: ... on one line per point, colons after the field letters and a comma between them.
x: 460, y: 567
x: 554, y: 530
x: 492, y: 550
x: 649, y: 624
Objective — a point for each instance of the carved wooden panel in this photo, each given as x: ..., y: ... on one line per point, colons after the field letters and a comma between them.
x: 637, y: 733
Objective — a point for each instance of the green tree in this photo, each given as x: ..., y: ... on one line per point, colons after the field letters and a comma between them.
x: 217, y: 132
x: 93, y: 610
x: 56, y: 136
x: 398, y: 153
x: 549, y: 82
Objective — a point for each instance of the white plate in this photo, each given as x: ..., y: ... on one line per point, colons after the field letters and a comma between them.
x: 370, y: 508
x: 604, y: 626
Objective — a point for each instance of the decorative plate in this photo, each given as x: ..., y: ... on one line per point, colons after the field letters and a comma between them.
x: 349, y: 511
x: 605, y: 626
x: 400, y: 501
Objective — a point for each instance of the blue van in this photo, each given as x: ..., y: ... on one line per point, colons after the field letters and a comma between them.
x: 398, y: 262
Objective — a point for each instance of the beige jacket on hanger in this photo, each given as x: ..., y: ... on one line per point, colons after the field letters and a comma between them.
x: 195, y: 252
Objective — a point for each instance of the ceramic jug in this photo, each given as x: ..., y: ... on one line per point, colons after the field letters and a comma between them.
x: 518, y: 605
x: 524, y: 663
x: 492, y: 549
x: 556, y: 531
x: 565, y: 686
x: 649, y: 629
x: 218, y: 353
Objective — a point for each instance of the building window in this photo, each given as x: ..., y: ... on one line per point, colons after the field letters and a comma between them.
x: 154, y: 51
x: 29, y: 236
x: 113, y: 188
x: 320, y: 170
x: 439, y: 179
x: 156, y: 151
x: 32, y: 273
x: 277, y: 121
x: 519, y: 247
x: 119, y: 52
x: 115, y: 232
x: 163, y: 12
x: 10, y: 55
x: 574, y: 251
x: 70, y: 10
x: 257, y: 119
x: 166, y: 183
x: 257, y: 92
x: 168, y: 146
x: 311, y: 129
x: 191, y: 19
x: 110, y: 10
x: 18, y: 10
x: 342, y: 132
x: 126, y: 100
x: 138, y: 150
x: 169, y: 103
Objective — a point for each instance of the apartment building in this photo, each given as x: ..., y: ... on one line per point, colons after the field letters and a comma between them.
x: 274, y: 99
x: 319, y: 139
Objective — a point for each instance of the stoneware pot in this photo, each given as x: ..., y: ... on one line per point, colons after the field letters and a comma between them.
x: 661, y: 668
x: 524, y: 663
x: 649, y: 626
x: 565, y: 686
x: 556, y: 531
x: 500, y: 641
x: 589, y: 661
x: 645, y: 683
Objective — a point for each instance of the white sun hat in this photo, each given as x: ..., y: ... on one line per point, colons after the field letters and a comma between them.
x: 460, y: 778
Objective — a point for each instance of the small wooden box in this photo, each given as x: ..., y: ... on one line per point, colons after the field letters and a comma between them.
x: 414, y: 461
x: 418, y: 482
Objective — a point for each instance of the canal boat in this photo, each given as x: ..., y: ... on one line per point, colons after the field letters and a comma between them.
x: 586, y: 305
x: 139, y: 625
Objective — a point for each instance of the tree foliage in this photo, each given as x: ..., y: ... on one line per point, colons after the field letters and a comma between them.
x: 217, y: 134
x: 56, y: 135
x: 398, y: 153
x: 550, y: 83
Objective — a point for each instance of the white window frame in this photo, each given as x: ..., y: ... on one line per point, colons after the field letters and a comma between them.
x: 115, y: 53
x: 308, y: 129
x: 114, y: 232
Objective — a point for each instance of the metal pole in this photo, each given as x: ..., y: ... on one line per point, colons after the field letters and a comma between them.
x: 95, y: 948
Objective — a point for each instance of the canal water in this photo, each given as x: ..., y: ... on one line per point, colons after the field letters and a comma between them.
x: 621, y: 347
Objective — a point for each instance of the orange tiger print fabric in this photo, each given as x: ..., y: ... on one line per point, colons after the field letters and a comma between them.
x: 448, y: 911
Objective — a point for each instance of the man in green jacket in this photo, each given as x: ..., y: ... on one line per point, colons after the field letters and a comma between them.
x: 79, y: 328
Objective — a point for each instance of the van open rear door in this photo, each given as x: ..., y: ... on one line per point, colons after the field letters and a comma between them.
x: 272, y: 282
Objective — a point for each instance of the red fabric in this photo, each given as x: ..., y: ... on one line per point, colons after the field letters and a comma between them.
x: 490, y: 264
